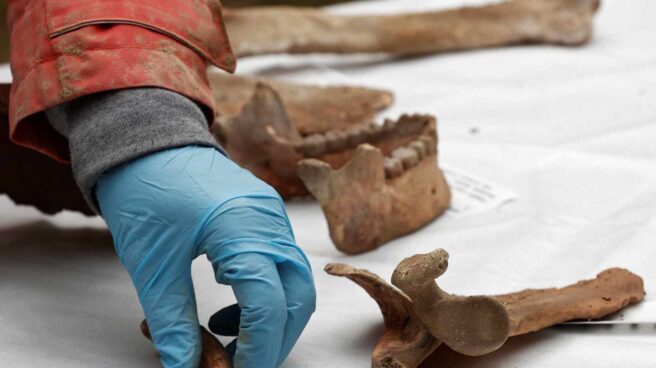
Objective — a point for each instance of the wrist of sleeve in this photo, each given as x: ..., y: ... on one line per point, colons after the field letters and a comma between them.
x: 107, y: 129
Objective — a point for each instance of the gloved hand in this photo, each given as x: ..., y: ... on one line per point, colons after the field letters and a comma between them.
x: 169, y: 207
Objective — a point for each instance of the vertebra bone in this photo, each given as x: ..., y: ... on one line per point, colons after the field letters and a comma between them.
x: 474, y: 325
x: 410, y: 317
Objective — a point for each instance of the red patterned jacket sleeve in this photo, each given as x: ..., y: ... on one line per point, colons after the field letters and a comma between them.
x: 65, y: 49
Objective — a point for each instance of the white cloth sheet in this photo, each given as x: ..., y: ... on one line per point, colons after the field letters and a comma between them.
x: 571, y: 131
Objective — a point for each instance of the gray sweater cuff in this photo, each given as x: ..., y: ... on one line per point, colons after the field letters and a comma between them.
x: 109, y: 128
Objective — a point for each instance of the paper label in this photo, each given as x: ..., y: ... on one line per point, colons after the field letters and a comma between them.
x: 470, y: 195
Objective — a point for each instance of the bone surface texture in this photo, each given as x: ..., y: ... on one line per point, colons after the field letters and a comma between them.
x: 303, y: 30
x: 381, y: 192
x: 478, y: 324
x: 311, y: 109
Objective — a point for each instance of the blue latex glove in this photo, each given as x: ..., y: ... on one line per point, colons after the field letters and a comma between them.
x: 169, y: 207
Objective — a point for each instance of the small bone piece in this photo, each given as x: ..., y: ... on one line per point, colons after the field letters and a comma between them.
x: 363, y: 209
x: 525, y: 311
x: 305, y: 30
x: 213, y: 355
x: 406, y: 342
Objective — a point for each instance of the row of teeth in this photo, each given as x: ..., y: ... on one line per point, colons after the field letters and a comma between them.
x: 337, y: 140
x: 409, y: 156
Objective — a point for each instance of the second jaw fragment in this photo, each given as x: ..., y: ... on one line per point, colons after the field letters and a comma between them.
x: 381, y: 192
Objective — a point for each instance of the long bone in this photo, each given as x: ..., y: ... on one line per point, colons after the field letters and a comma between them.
x: 269, y: 30
x: 527, y: 311
x: 213, y: 353
x: 373, y: 199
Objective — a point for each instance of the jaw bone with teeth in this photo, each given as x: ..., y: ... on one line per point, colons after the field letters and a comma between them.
x: 265, y: 139
x: 381, y: 192
x: 273, y: 130
x: 420, y: 316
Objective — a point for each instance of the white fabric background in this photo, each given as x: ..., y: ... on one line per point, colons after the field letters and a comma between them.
x: 571, y: 130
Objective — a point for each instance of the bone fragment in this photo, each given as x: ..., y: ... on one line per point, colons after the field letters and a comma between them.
x: 311, y: 109
x: 363, y: 208
x: 474, y: 325
x: 270, y: 30
x: 406, y: 342
x: 525, y: 311
x: 213, y: 354
x: 533, y: 310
